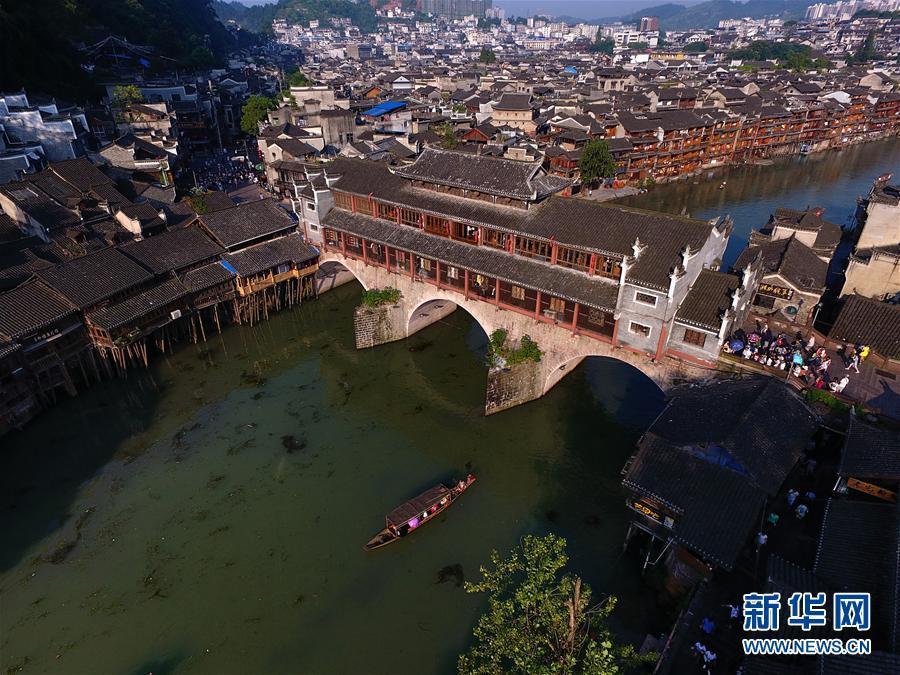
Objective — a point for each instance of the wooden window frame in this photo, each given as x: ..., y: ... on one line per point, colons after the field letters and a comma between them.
x: 532, y: 248
x: 342, y: 200
x: 695, y: 337
x: 632, y: 324
x: 556, y: 304
x: 573, y: 259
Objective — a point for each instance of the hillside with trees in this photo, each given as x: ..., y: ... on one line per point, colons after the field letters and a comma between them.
x: 259, y: 17
x: 788, y: 55
x: 709, y: 14
x: 186, y: 31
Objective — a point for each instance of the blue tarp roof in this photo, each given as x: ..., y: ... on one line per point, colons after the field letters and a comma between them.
x: 570, y: 69
x: 384, y: 108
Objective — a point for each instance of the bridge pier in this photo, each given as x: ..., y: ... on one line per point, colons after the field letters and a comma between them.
x: 379, y: 325
x: 513, y: 386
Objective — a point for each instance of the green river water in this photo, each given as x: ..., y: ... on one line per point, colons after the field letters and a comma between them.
x: 166, y: 524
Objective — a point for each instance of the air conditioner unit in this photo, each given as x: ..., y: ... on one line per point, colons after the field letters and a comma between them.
x: 176, y: 314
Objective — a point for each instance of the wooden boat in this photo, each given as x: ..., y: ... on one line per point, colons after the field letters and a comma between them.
x: 418, y: 511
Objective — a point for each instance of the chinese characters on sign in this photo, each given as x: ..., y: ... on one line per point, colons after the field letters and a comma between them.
x: 776, y: 291
x: 652, y: 514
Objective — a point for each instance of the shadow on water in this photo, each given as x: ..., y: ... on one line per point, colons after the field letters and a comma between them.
x: 43, y: 466
x: 599, y: 427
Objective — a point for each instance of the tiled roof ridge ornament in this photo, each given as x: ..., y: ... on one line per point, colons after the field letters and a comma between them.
x: 637, y: 247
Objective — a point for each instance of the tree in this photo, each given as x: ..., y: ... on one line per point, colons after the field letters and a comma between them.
x: 796, y: 62
x: 695, y: 47
x: 124, y: 95
x: 596, y: 161
x: 540, y: 621
x: 197, y: 200
x: 448, y: 136
x: 638, y: 46
x: 254, y: 112
x: 487, y: 55
x: 296, y: 78
x: 288, y: 98
x: 603, y: 45
x: 764, y: 50
x: 661, y: 39
x: 200, y: 57
x: 866, y: 51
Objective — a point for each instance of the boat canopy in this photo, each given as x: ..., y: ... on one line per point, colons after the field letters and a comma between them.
x: 415, y: 506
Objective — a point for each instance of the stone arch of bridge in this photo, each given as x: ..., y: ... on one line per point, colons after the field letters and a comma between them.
x: 426, y: 311
x: 560, y: 367
x: 330, y: 270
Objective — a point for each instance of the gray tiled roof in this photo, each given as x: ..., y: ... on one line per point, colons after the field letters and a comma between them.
x: 708, y: 300
x: 246, y: 222
x: 131, y: 309
x: 95, y: 277
x: 762, y: 423
x: 173, y: 250
x: 206, y: 277
x: 553, y: 279
x: 716, y: 508
x: 870, y: 452
x: 30, y: 308
x: 828, y: 234
x: 27, y: 196
x: 578, y: 223
x: 513, y: 102
x: 791, y: 259
x: 54, y: 186
x: 263, y: 256
x: 865, y: 321
x: 216, y: 200
x: 19, y: 263
x: 859, y: 551
x: 80, y: 173
x: 491, y: 175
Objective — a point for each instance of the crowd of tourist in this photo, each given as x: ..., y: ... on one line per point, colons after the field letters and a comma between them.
x: 798, y: 355
x: 222, y: 172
